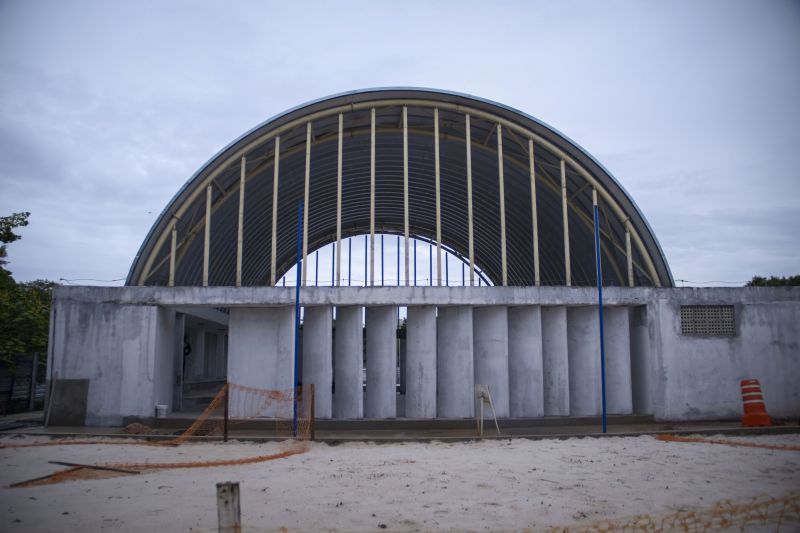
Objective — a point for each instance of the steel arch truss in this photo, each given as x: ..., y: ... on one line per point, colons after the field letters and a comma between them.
x: 508, y: 193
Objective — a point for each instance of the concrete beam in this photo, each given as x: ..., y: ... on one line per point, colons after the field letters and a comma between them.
x: 421, y: 362
x: 455, y: 375
x: 318, y: 357
x: 380, y: 398
x: 348, y: 363
x: 420, y: 295
x: 490, y: 345
x: 526, y: 380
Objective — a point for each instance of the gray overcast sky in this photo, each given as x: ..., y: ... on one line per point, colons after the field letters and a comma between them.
x: 107, y: 108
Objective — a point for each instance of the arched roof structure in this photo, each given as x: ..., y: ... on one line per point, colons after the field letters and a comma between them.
x: 383, y: 142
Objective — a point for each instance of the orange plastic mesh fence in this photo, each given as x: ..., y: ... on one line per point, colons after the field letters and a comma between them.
x: 244, y: 404
x: 762, y: 513
x: 728, y: 442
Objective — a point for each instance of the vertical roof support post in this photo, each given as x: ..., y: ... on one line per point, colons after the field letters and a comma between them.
x: 240, y: 228
x: 502, y: 204
x: 469, y: 207
x: 338, y: 273
x: 438, y: 197
x: 534, y: 215
x: 274, y: 243
x: 628, y: 252
x: 405, y: 187
x: 567, y: 267
x: 398, y: 262
x: 371, y: 274
x: 173, y: 246
x: 306, y: 206
x: 207, y: 236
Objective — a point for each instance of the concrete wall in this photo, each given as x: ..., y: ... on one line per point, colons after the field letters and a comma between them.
x: 261, y: 356
x: 697, y: 378
x: 124, y: 351
x: 537, y: 349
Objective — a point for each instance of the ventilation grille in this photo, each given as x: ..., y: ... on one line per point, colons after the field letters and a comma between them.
x: 707, y: 320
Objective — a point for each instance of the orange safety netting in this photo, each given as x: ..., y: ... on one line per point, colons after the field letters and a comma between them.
x: 727, y: 442
x: 234, y: 406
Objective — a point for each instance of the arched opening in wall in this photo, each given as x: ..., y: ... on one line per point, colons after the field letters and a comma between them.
x: 356, y: 268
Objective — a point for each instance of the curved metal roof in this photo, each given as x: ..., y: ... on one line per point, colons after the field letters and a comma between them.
x: 186, y: 211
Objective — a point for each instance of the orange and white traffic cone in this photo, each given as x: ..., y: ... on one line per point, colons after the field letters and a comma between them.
x: 755, y: 412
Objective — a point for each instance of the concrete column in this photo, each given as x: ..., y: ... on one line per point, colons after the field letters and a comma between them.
x: 526, y: 382
x: 455, y: 376
x: 261, y: 355
x: 348, y: 399
x: 196, y: 362
x: 555, y: 361
x: 222, y: 350
x: 421, y: 362
x: 583, y: 338
x: 640, y: 361
x: 490, y: 340
x: 318, y: 357
x: 619, y: 399
x: 380, y: 399
x: 177, y: 390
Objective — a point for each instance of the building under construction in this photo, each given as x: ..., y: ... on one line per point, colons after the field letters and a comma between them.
x: 461, y: 242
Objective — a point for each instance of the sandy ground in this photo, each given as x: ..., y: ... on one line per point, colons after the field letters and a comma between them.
x: 471, y: 486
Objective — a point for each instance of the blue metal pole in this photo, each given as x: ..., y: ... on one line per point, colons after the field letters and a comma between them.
x: 600, y: 308
x: 316, y: 269
x: 446, y: 270
x: 349, y: 261
x: 382, y: 257
x: 463, y: 279
x: 333, y: 265
x: 297, y: 312
x: 366, y: 252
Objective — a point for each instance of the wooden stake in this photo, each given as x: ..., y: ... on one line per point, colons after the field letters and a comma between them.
x: 229, y: 514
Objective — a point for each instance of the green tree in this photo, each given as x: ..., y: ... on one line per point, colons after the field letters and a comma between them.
x: 774, y: 281
x: 24, y: 307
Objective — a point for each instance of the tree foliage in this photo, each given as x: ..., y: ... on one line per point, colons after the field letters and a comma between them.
x: 24, y: 307
x: 774, y: 281
x: 7, y: 226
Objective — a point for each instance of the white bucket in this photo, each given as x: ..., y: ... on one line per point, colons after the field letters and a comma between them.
x: 161, y: 410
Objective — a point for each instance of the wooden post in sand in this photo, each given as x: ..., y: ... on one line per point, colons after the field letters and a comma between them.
x: 228, y: 511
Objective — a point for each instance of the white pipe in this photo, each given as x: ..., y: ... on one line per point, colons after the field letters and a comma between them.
x: 438, y: 197
x: 502, y: 205
x: 273, y: 259
x: 305, y: 202
x: 567, y: 268
x: 339, y: 204
x: 240, y: 228
x: 405, y: 187
x: 535, y: 216
x: 469, y: 204
x: 207, y: 237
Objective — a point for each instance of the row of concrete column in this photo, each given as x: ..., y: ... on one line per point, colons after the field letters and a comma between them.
x: 537, y: 361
